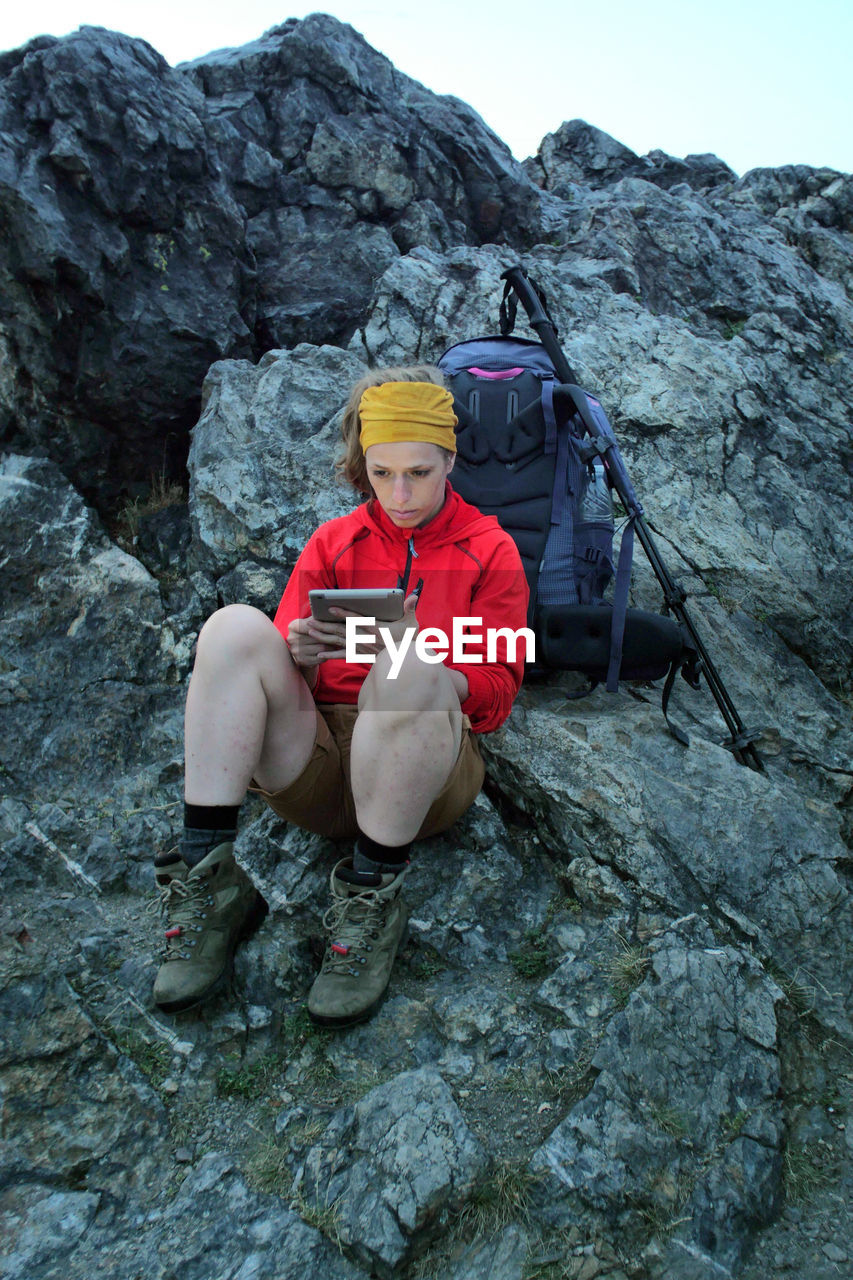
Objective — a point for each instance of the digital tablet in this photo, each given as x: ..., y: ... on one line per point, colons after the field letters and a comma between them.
x: 383, y: 603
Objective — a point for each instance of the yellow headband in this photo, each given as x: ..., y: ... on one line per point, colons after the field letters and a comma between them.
x: 407, y: 411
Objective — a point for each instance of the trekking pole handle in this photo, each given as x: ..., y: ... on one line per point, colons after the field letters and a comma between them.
x: 519, y: 280
x: 527, y: 295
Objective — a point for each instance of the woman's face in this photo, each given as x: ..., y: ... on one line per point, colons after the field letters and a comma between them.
x: 408, y: 480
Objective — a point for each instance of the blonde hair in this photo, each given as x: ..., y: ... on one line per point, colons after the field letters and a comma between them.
x: 351, y: 466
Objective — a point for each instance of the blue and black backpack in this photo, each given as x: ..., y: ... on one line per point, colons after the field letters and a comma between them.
x: 538, y: 452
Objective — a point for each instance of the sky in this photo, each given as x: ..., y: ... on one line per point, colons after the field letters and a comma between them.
x: 755, y: 82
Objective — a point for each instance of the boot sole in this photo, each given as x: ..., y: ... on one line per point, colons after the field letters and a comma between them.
x: 255, y: 918
x: 333, y: 1023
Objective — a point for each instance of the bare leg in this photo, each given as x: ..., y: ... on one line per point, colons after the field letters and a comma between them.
x: 404, y: 745
x: 249, y: 712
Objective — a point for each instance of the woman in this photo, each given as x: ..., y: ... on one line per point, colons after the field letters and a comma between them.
x: 379, y: 751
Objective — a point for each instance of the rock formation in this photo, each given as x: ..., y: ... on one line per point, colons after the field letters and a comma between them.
x: 159, y: 219
x: 618, y: 1042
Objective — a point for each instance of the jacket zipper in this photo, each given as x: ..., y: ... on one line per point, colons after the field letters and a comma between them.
x: 411, y: 554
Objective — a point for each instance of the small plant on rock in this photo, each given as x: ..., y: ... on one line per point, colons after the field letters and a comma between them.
x: 573, y: 1082
x: 731, y: 1126
x: 162, y: 493
x: 153, y: 1059
x: 799, y: 993
x: 267, y: 1170
x: 426, y: 963
x: 306, y: 1133
x: 805, y: 1171
x: 669, y: 1119
x: 627, y: 969
x: 515, y: 1081
x: 732, y: 328
x: 323, y: 1217
x: 320, y: 1074
x: 501, y: 1197
x: 298, y: 1030
x: 250, y: 1081
x: 531, y: 959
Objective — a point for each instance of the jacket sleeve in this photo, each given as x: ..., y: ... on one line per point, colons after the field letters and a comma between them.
x: 310, y: 571
x: 500, y: 599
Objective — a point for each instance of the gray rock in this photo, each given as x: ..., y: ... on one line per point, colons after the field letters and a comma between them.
x: 43, y: 1226
x: 75, y: 1113
x: 809, y: 207
x: 581, y: 988
x: 123, y: 217
x: 821, y: 194
x: 485, y: 1020
x: 502, y: 1258
x: 314, y: 291
x: 83, y: 651
x: 683, y: 1120
x: 401, y: 1037
x: 388, y: 1167
x: 265, y: 1238
x: 740, y: 845
x: 463, y: 915
x: 373, y: 141
x: 267, y: 430
x: 244, y: 202
x: 578, y: 154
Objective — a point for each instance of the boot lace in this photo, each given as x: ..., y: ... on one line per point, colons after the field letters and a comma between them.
x: 185, y: 904
x: 353, y: 925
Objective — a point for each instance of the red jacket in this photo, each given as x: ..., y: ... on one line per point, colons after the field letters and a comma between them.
x: 469, y: 567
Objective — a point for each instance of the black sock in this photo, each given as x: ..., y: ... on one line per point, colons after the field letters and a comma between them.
x: 371, y: 856
x: 211, y: 817
x: 205, y: 827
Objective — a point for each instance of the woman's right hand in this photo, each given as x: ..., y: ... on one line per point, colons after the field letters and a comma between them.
x: 312, y: 642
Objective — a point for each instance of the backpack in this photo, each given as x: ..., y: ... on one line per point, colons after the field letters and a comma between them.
x: 522, y: 457
x: 538, y: 452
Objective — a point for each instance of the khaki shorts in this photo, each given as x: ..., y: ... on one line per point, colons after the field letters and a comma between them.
x: 321, y: 800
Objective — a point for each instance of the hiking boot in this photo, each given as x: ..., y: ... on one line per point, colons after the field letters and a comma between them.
x: 365, y: 926
x: 209, y: 908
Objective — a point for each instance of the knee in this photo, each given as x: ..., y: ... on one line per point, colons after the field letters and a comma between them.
x: 417, y: 685
x: 238, y: 632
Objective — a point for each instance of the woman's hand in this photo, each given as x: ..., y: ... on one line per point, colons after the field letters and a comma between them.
x: 375, y: 642
x: 312, y: 642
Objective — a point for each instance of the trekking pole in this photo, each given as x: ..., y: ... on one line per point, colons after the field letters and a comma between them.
x: 741, y: 741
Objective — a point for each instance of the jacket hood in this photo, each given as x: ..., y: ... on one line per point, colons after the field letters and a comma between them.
x: 456, y: 521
